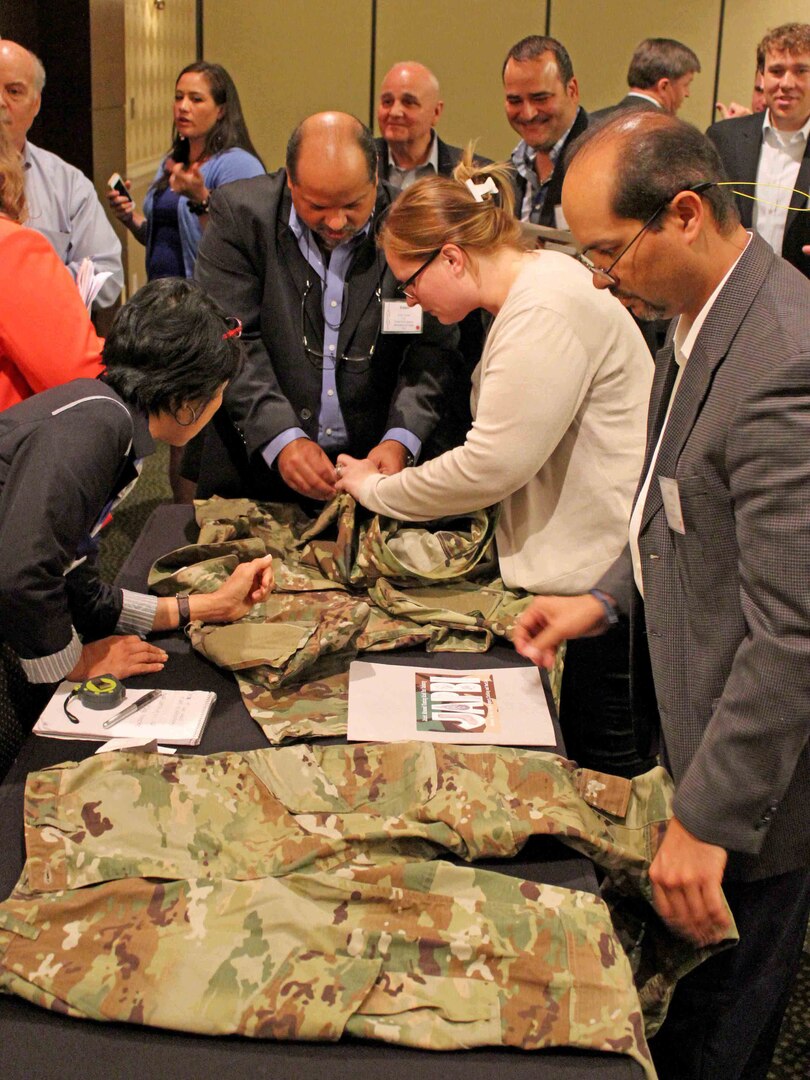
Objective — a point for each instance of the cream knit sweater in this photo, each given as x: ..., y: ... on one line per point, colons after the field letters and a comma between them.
x: 560, y: 404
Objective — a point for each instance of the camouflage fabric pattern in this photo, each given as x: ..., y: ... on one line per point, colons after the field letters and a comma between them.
x: 330, y: 809
x: 335, y: 597
x: 297, y: 893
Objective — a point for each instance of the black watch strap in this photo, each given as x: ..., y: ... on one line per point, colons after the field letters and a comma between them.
x: 183, y: 609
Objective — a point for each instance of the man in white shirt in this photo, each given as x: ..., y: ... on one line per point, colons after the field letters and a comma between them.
x: 768, y: 153
x: 715, y: 573
x: 62, y: 202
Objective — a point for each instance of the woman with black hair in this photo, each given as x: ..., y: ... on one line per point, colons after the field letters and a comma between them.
x: 68, y: 456
x: 211, y: 146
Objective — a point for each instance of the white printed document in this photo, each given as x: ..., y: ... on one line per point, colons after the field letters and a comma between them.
x: 500, y: 706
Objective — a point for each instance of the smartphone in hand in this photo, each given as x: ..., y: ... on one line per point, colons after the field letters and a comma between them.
x: 118, y: 186
x: 180, y: 151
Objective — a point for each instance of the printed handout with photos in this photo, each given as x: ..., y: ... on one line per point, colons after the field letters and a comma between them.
x: 500, y: 706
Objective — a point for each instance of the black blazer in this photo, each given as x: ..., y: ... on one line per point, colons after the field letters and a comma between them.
x: 631, y: 101
x: 739, y: 142
x: 554, y: 193
x: 250, y: 262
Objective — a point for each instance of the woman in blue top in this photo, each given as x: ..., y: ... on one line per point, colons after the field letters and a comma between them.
x: 211, y: 147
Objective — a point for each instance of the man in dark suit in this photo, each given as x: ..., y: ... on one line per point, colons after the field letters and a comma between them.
x: 541, y: 98
x: 717, y: 565
x: 336, y: 361
x: 770, y: 151
x: 660, y: 75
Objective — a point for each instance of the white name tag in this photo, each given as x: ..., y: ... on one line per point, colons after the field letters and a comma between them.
x: 398, y: 318
x: 672, y: 504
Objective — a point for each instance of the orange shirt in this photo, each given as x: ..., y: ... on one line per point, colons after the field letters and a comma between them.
x: 46, y: 337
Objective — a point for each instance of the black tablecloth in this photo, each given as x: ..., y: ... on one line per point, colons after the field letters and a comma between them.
x: 35, y: 1043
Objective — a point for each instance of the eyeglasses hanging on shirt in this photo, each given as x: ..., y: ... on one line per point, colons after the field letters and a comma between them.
x: 356, y: 360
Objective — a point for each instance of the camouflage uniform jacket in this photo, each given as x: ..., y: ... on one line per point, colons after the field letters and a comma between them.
x: 344, y: 584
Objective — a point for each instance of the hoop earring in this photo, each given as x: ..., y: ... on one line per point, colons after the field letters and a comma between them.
x: 194, y: 414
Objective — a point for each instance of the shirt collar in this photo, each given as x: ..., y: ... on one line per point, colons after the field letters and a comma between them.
x: 432, y: 159
x: 26, y: 155
x: 802, y: 134
x: 647, y: 97
x: 686, y: 334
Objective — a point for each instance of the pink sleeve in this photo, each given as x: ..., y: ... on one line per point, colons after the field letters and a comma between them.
x: 46, y: 336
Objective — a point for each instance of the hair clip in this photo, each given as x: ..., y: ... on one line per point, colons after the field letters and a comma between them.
x: 235, y: 328
x: 478, y: 191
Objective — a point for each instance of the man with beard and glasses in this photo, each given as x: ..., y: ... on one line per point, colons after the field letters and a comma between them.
x: 335, y: 360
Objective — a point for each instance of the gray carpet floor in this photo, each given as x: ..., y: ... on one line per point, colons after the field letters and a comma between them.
x: 792, y: 1058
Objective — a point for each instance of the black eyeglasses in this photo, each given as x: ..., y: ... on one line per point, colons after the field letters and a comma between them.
x: 355, y: 362
x: 597, y: 271
x: 402, y: 288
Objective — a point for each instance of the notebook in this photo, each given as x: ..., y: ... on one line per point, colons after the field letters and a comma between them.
x: 176, y: 716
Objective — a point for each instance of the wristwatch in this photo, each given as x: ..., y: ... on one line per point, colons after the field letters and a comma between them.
x: 183, y: 610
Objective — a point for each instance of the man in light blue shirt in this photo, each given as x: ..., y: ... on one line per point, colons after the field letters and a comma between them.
x: 336, y: 360
x: 62, y: 202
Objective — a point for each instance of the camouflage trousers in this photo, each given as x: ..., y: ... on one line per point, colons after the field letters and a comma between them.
x: 297, y: 893
x: 343, y: 586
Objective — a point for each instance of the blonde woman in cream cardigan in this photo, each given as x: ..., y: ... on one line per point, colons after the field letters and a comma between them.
x: 559, y: 402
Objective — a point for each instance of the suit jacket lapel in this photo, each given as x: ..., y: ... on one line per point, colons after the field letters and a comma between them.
x: 710, y: 348
x: 797, y: 201
x: 747, y: 163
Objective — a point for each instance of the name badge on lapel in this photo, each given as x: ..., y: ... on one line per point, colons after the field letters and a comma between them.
x: 672, y: 504
x: 398, y: 318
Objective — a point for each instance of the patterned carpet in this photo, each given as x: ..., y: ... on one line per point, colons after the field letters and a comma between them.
x: 792, y: 1058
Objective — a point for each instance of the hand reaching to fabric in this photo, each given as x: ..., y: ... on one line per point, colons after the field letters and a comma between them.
x: 550, y: 620
x: 352, y: 474
x: 249, y: 584
x: 306, y: 469
x: 120, y: 655
x: 686, y: 876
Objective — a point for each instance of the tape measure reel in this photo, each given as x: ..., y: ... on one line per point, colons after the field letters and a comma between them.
x: 101, y: 692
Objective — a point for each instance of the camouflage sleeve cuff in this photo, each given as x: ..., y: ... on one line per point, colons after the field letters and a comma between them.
x: 57, y: 666
x: 137, y: 614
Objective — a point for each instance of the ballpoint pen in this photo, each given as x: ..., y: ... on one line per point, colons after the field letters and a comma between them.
x: 133, y: 708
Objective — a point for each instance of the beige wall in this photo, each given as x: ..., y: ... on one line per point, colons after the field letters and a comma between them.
x: 158, y: 45
x: 292, y: 57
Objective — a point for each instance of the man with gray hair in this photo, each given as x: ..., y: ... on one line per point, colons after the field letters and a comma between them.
x: 62, y: 202
x: 659, y: 77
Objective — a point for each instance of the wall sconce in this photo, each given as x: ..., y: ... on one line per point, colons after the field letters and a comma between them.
x: 159, y: 4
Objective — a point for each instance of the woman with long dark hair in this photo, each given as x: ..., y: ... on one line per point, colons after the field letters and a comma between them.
x: 210, y: 147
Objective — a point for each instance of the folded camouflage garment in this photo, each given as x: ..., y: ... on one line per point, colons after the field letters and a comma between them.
x: 345, y: 584
x: 299, y: 893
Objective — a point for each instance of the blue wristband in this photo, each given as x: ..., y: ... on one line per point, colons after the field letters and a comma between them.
x: 611, y: 614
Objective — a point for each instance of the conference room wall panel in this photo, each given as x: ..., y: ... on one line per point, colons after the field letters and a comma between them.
x: 601, y: 39
x: 464, y: 44
x: 290, y: 58
x: 745, y: 24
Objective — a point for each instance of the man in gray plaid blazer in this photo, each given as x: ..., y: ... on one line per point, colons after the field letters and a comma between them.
x: 717, y: 567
